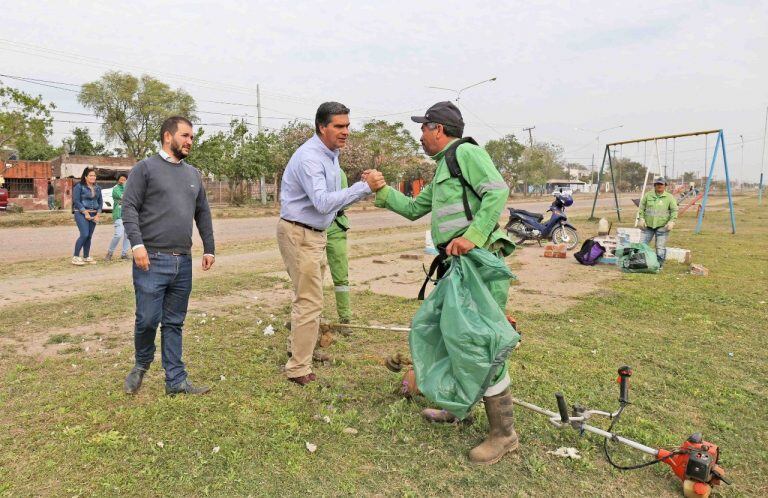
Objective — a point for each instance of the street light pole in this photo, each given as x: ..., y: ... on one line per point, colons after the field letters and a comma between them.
x: 762, y: 162
x: 742, y: 159
x: 597, y: 139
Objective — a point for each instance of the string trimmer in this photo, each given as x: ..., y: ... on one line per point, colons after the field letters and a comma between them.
x: 695, y: 462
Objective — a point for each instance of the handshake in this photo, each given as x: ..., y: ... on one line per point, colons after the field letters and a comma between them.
x: 374, y: 179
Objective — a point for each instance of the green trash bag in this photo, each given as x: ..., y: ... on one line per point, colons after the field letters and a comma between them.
x: 637, y: 258
x: 460, y: 337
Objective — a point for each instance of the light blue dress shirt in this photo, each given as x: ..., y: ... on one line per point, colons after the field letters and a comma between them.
x: 310, y: 191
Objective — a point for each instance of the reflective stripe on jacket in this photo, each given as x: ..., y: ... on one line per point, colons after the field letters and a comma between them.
x: 658, y: 210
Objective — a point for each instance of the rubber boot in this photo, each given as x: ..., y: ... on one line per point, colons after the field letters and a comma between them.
x: 502, y: 438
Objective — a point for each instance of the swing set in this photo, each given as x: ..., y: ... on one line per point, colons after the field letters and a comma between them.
x: 691, y: 198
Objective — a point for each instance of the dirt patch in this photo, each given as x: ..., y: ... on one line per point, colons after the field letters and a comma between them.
x: 108, y: 336
x: 543, y: 284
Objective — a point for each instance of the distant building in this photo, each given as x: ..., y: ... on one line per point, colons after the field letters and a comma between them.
x: 27, y: 181
x: 572, y: 185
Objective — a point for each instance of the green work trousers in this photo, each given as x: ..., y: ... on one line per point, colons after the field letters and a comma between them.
x: 338, y: 262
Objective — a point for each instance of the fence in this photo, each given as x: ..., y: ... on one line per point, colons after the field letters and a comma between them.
x: 218, y: 191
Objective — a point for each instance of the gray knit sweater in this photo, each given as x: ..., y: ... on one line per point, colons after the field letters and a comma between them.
x: 159, y: 203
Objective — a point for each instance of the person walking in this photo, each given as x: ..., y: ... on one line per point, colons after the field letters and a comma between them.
x: 117, y: 222
x: 657, y: 216
x: 338, y: 261
x: 310, y: 197
x: 162, y: 196
x: 465, y: 213
x: 86, y: 205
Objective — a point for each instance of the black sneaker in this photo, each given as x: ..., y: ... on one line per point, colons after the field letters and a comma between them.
x: 184, y: 387
x: 133, y: 380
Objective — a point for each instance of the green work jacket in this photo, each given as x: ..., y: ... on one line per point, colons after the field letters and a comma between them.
x: 658, y: 210
x: 443, y: 198
x: 117, y: 201
x: 340, y: 223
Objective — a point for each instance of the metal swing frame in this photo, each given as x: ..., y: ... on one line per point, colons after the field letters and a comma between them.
x: 719, y: 146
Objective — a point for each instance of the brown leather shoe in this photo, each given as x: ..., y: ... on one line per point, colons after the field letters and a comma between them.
x: 304, y: 379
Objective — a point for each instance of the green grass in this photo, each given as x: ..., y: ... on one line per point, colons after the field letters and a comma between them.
x: 67, y: 429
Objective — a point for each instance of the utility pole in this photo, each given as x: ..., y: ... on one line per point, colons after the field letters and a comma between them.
x: 762, y: 163
x: 530, y: 133
x: 258, y: 129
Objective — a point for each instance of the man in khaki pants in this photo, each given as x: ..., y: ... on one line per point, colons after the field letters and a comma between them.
x: 310, y: 197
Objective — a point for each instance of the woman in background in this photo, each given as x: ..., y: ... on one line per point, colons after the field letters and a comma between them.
x: 86, y: 204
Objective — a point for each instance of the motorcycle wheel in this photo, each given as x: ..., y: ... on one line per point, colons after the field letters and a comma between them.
x: 516, y: 227
x: 565, y: 235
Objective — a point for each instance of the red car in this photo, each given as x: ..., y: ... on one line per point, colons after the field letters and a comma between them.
x: 3, y: 199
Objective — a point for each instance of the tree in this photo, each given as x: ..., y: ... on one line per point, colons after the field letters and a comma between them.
x: 628, y: 174
x: 36, y: 148
x: 388, y: 147
x: 506, y: 153
x: 237, y: 156
x: 133, y: 109
x: 539, y: 164
x: 25, y: 122
x: 81, y: 144
x: 287, y: 140
x: 690, y: 176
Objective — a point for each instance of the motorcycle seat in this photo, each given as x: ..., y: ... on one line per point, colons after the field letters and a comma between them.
x: 526, y: 213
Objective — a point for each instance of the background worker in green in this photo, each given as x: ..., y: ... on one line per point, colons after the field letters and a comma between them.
x: 452, y: 230
x: 338, y: 262
x: 657, y: 215
x: 117, y: 221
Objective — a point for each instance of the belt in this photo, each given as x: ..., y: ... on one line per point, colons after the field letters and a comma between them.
x: 165, y: 253
x: 302, y: 225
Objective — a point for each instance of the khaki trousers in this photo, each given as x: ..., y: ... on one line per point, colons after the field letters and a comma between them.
x: 303, y: 253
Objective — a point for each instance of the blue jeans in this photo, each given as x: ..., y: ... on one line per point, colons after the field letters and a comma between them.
x: 119, y: 234
x: 162, y: 296
x: 86, y: 229
x: 661, y: 234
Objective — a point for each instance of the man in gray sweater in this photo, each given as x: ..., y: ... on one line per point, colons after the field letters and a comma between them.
x: 162, y: 197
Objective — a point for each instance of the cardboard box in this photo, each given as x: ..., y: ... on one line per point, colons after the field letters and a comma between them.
x: 635, y: 234
x: 679, y: 255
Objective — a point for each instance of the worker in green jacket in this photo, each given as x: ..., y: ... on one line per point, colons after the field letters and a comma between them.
x: 457, y: 234
x: 117, y: 220
x: 657, y: 215
x: 336, y: 250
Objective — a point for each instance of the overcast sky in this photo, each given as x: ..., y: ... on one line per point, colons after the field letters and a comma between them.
x: 656, y: 68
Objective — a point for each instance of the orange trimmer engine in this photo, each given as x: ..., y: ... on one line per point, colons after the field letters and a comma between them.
x: 696, y: 464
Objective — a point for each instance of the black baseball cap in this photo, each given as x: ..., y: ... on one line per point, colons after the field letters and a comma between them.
x: 444, y: 113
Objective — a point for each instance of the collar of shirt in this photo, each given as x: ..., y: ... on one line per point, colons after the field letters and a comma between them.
x: 440, y: 154
x: 168, y: 157
x: 318, y: 143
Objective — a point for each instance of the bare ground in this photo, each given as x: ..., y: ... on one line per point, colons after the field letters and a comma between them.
x: 377, y: 242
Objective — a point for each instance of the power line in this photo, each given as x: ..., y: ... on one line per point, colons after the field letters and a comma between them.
x: 39, y: 82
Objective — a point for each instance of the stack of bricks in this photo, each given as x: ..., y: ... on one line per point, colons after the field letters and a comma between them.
x: 555, y: 251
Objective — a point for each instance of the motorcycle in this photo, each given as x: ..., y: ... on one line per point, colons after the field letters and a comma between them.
x: 525, y: 225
